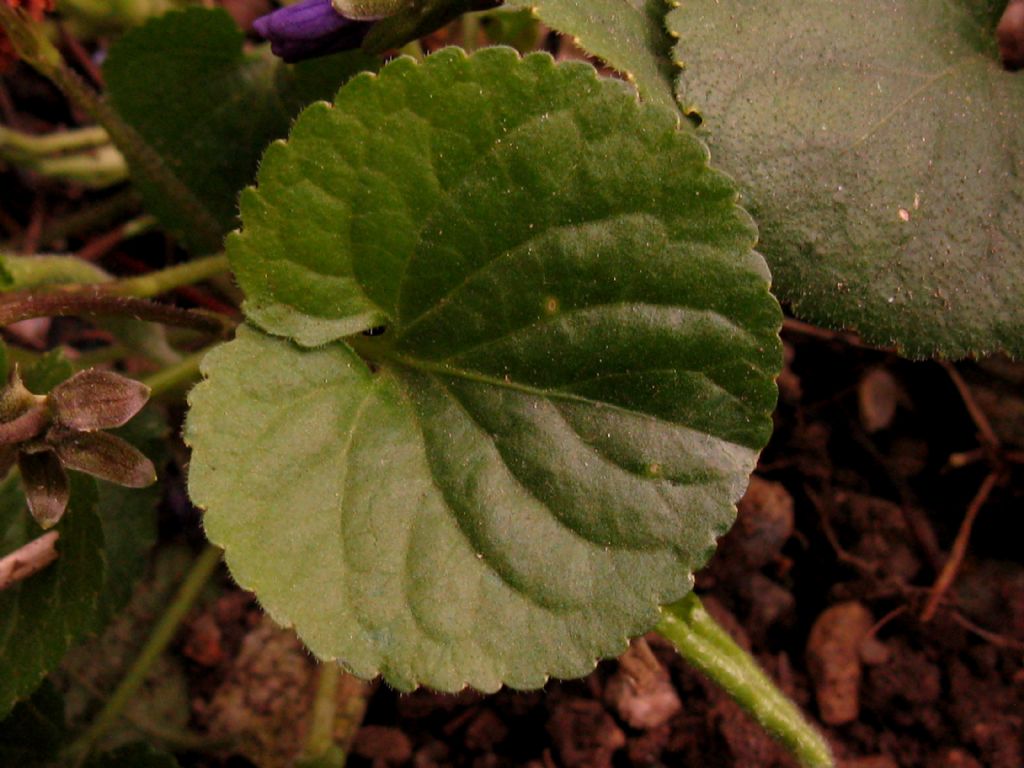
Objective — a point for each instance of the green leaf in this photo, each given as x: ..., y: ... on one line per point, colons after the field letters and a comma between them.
x: 629, y: 35
x: 880, y: 146
x: 43, y: 616
x: 129, y: 515
x: 48, y: 269
x: 104, y: 537
x: 35, y: 730
x: 209, y: 109
x: 576, y: 377
x: 6, y: 278
x: 49, y: 370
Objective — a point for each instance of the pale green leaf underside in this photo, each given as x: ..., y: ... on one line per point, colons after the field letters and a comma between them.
x: 880, y: 147
x: 575, y: 381
x: 629, y: 35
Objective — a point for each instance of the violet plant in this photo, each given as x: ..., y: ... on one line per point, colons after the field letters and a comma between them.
x: 508, y: 353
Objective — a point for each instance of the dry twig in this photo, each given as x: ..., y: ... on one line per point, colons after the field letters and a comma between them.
x: 956, y: 554
x: 29, y: 559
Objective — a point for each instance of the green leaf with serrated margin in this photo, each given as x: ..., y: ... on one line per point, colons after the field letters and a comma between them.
x: 209, y: 109
x: 43, y: 616
x: 880, y: 147
x: 629, y: 35
x: 576, y: 377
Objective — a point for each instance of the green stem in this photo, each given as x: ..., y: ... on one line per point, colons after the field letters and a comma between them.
x: 34, y: 145
x: 140, y: 225
x: 175, y: 377
x: 470, y: 32
x: 59, y: 269
x: 32, y: 46
x: 325, y: 709
x: 97, y: 169
x: 414, y: 49
x: 164, y: 280
x: 703, y: 643
x: 161, y: 637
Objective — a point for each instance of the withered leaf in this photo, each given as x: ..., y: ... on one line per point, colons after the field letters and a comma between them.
x: 46, y: 486
x: 97, y: 399
x: 104, y: 456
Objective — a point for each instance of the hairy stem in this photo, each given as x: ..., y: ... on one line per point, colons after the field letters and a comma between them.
x: 703, y: 643
x: 470, y: 31
x: 24, y: 427
x: 164, y: 280
x: 161, y: 637
x: 175, y: 377
x: 72, y: 140
x: 325, y: 708
x: 97, y: 169
x: 98, y: 300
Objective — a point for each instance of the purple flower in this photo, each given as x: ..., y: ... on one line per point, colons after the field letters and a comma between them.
x: 309, y: 29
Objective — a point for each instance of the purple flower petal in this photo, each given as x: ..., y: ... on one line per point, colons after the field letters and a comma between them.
x: 308, y: 29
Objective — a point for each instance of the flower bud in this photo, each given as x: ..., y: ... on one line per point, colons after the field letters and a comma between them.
x: 96, y: 399
x: 308, y: 29
x: 102, y: 455
x: 369, y: 10
x: 46, y: 486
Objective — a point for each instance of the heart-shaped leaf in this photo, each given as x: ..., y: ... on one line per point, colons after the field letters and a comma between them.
x: 574, y: 381
x: 880, y: 147
x: 629, y: 35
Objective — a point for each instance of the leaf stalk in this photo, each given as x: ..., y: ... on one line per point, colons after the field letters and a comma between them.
x: 704, y: 644
x: 100, y: 300
x: 162, y: 635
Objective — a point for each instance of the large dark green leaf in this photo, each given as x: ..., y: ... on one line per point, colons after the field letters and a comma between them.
x: 880, y: 147
x: 574, y: 383
x: 185, y: 84
x: 629, y: 35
